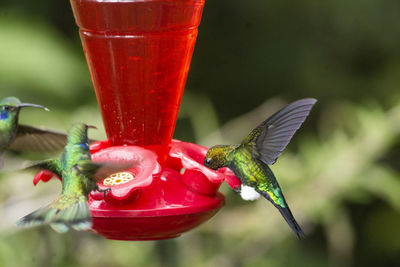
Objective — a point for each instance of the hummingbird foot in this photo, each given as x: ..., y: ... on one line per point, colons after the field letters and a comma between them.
x: 105, y: 191
x: 237, y: 190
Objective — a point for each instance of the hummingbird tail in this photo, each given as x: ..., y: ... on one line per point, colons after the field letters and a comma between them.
x: 75, y: 215
x: 36, y: 218
x: 287, y: 214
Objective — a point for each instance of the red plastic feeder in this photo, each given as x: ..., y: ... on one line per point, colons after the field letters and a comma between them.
x: 139, y: 54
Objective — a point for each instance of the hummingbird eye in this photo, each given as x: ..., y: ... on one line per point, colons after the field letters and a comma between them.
x: 6, y: 108
x: 208, y: 161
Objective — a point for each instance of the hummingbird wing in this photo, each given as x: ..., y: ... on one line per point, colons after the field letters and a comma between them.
x: 100, y: 170
x: 270, y: 138
x: 51, y: 165
x: 37, y: 140
x: 32, y: 139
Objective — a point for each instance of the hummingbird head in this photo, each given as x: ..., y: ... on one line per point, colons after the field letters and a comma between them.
x: 10, y: 107
x: 77, y: 135
x: 216, y: 157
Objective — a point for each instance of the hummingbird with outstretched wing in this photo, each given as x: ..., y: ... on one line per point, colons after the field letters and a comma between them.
x: 262, y: 147
x: 17, y: 137
x: 79, y: 176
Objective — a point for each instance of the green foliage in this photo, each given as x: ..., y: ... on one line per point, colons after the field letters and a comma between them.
x: 36, y: 60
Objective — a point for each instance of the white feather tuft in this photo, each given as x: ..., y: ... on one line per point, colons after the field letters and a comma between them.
x: 249, y: 193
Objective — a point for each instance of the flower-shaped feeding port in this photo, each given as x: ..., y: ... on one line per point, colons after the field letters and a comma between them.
x: 138, y: 53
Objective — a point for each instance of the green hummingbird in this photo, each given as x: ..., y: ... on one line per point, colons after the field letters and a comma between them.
x: 79, y: 177
x: 16, y: 137
x: 249, y: 160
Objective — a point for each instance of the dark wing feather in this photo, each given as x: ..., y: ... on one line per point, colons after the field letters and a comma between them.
x: 31, y: 139
x: 271, y: 137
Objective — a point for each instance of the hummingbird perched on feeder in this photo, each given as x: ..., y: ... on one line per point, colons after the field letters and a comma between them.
x: 249, y: 160
x: 79, y: 177
x: 16, y: 137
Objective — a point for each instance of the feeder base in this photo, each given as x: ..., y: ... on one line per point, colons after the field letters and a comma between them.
x: 150, y: 228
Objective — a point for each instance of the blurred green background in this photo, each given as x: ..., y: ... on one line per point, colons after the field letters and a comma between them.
x: 340, y: 174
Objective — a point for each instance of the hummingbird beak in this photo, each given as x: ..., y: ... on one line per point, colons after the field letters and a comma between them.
x: 32, y: 105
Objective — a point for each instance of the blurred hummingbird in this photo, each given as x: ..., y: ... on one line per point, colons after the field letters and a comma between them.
x: 262, y: 147
x: 79, y: 177
x: 16, y: 137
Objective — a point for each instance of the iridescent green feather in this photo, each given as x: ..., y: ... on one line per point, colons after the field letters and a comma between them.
x: 254, y: 173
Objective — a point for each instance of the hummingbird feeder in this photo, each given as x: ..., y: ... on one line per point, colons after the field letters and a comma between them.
x: 139, y: 53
